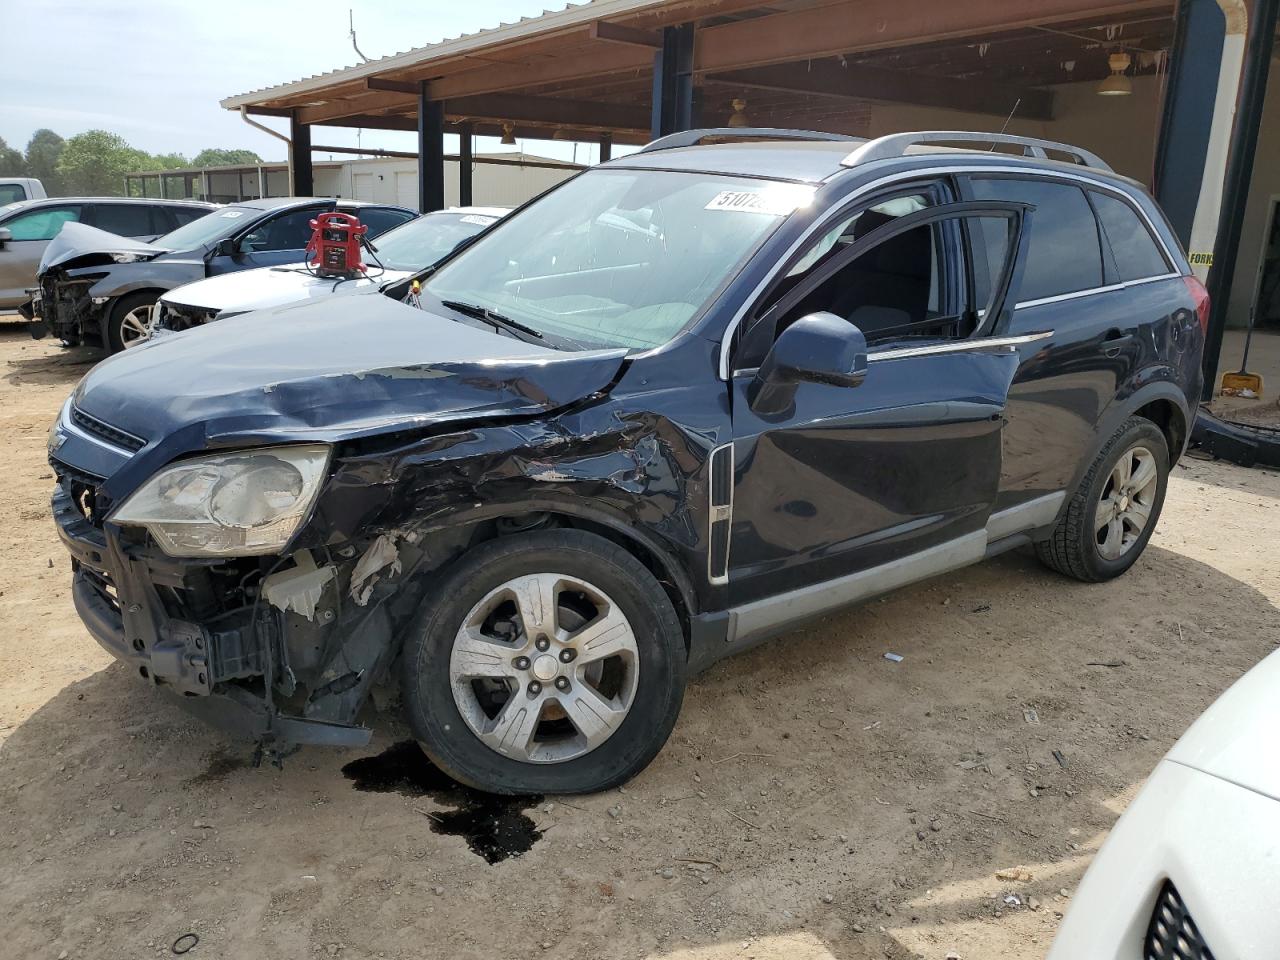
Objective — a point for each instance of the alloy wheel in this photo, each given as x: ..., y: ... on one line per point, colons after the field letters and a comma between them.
x: 134, y: 326
x: 544, y: 668
x: 1124, y: 508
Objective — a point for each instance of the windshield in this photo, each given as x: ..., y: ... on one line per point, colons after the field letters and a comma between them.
x: 208, y: 229
x: 618, y: 258
x: 421, y: 242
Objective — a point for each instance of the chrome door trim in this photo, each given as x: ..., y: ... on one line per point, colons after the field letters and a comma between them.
x: 773, y: 615
x: 975, y: 345
x: 770, y: 616
x: 1039, y: 512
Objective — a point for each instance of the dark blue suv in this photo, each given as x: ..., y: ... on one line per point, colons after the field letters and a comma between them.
x: 671, y: 408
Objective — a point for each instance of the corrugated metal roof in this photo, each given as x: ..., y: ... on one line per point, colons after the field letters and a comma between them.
x: 549, y: 22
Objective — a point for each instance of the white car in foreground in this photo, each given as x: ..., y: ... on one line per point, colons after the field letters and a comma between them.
x: 1192, y: 869
x: 396, y: 256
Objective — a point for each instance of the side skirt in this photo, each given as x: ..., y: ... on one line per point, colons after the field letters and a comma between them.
x: 753, y: 623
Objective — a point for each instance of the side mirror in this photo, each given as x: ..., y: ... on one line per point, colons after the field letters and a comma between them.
x: 227, y: 248
x: 817, y: 348
x: 5, y: 236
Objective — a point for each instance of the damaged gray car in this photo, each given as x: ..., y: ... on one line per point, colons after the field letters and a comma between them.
x: 99, y: 288
x: 672, y: 408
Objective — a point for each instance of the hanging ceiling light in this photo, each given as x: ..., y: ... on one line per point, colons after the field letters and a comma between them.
x: 508, y: 135
x: 739, y: 117
x: 1118, y: 84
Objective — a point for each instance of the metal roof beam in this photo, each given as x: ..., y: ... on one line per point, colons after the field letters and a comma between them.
x: 873, y: 24
x: 617, y: 33
x: 552, y: 111
x: 828, y: 78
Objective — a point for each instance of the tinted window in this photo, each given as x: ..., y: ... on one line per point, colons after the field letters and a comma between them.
x: 1136, y: 253
x: 11, y: 193
x: 184, y: 215
x: 1063, y: 255
x: 381, y: 219
x: 42, y: 224
x: 289, y: 231
x: 122, y: 219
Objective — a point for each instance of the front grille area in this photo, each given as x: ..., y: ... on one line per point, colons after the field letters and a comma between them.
x: 1173, y: 935
x: 180, y: 316
x: 82, y: 487
x: 104, y: 431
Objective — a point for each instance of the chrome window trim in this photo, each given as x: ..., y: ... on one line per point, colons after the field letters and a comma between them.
x: 959, y: 346
x: 1108, y: 288
x: 954, y: 169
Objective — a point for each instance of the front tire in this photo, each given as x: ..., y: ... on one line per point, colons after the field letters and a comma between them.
x: 128, y: 320
x: 548, y: 662
x: 1114, y: 511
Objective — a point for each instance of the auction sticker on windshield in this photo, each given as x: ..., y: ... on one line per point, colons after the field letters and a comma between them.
x: 774, y: 201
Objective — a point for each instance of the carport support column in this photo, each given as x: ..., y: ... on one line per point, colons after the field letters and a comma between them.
x: 606, y: 147
x: 430, y: 152
x: 1239, y: 172
x: 302, y: 178
x: 673, y: 94
x: 466, y: 164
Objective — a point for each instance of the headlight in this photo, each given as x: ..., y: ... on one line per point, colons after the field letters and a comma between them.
x: 233, y: 505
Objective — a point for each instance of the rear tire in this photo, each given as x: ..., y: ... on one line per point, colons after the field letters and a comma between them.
x: 1108, y: 521
x: 507, y: 698
x: 127, y: 321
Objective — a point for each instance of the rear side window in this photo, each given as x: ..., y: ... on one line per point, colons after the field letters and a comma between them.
x: 289, y: 231
x: 381, y: 219
x: 12, y: 193
x: 1063, y: 254
x: 184, y: 215
x: 1135, y: 250
x: 122, y: 219
x: 42, y: 224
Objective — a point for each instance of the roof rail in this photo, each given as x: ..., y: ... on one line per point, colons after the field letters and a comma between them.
x: 897, y: 144
x: 691, y: 138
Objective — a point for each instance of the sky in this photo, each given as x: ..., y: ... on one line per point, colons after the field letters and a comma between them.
x: 153, y: 71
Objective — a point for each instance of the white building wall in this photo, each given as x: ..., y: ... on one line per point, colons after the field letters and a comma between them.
x: 395, y: 180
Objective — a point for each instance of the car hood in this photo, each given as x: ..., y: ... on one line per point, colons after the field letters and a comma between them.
x: 1235, y: 739
x: 271, y: 287
x: 89, y: 245
x: 331, y: 370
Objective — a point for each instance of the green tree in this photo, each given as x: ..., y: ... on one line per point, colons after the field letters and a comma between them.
x: 11, y: 162
x: 214, y: 157
x: 94, y: 163
x: 169, y: 161
x: 43, y: 150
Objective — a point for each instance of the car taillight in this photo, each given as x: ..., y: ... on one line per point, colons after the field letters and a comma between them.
x: 1201, y: 297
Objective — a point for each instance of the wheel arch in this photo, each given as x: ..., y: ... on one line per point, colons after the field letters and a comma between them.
x: 489, y: 522
x: 1161, y: 402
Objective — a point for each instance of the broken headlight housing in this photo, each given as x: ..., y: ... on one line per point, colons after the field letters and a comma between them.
x: 230, y: 505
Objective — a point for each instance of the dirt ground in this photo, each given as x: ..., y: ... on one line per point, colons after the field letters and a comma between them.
x: 815, y: 801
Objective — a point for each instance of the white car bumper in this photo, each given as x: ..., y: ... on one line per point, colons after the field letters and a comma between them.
x: 1219, y: 845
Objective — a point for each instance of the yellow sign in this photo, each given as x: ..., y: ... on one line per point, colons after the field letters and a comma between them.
x: 1201, y: 259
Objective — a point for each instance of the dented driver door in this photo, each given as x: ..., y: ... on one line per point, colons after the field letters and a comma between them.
x: 893, y: 477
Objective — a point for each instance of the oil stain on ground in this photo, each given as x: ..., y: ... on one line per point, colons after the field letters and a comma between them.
x: 221, y: 763
x: 494, y: 827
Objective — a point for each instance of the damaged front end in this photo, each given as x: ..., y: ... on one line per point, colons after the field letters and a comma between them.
x: 65, y: 302
x: 260, y: 549
x: 64, y: 306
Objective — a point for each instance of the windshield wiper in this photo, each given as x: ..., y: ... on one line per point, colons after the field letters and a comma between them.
x: 489, y: 316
